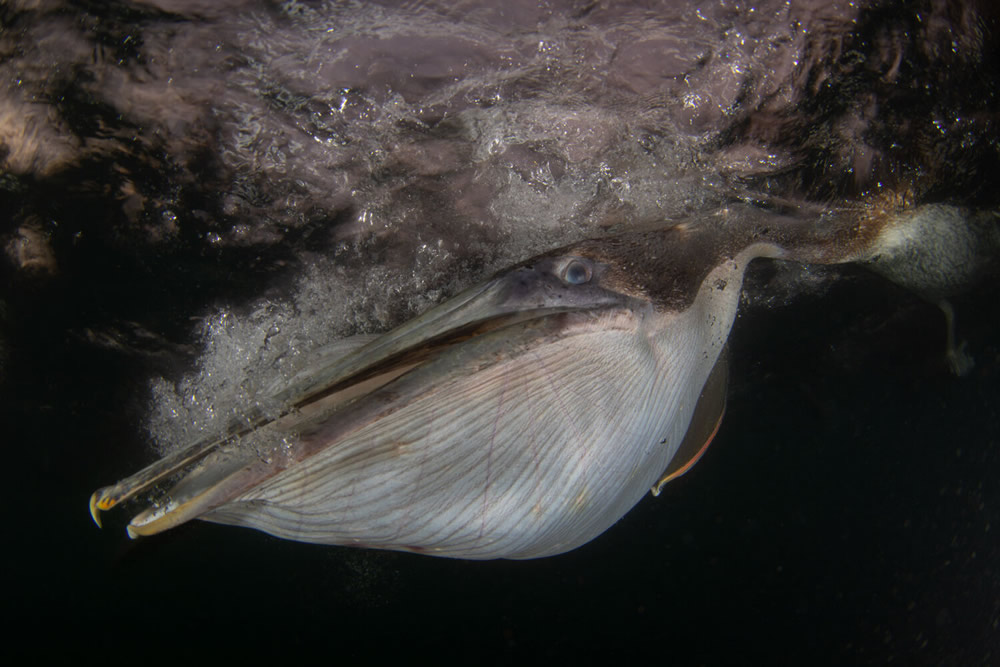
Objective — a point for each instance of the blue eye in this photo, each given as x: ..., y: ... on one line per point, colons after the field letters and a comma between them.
x: 576, y: 272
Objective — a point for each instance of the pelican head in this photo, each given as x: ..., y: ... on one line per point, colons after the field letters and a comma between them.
x: 519, y: 419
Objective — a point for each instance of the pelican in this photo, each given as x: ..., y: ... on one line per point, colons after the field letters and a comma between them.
x: 525, y: 416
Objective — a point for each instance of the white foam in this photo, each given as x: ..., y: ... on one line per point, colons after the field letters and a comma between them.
x: 494, y: 146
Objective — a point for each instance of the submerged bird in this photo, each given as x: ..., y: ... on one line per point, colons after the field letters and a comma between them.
x: 525, y: 416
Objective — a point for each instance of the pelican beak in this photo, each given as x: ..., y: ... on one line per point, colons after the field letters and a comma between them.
x: 217, y: 469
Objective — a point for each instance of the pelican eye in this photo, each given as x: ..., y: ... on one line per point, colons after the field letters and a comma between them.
x: 576, y: 272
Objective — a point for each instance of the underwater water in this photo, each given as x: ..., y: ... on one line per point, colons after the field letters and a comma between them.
x: 194, y: 195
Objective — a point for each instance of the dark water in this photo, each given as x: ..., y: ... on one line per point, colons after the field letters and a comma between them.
x: 847, y: 513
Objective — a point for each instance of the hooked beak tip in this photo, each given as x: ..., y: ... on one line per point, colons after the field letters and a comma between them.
x: 95, y: 508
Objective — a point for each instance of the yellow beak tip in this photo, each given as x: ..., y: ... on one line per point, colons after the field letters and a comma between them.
x: 95, y: 510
